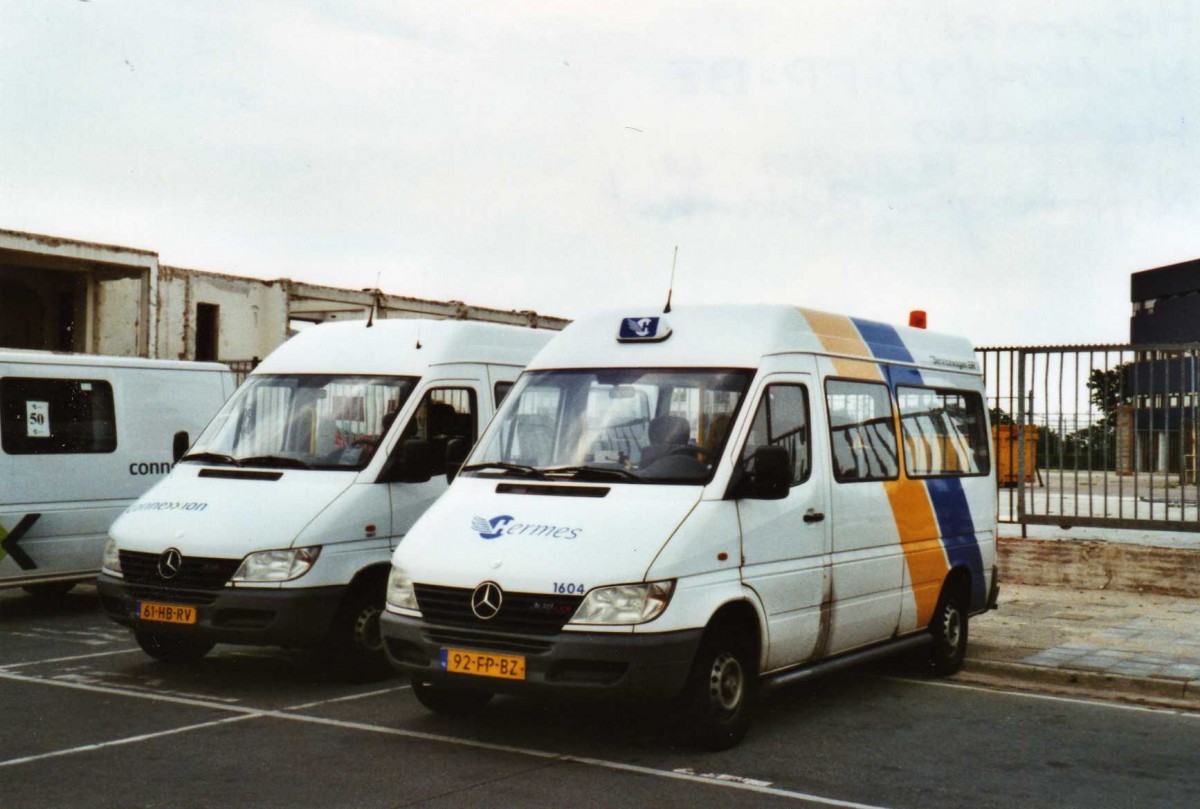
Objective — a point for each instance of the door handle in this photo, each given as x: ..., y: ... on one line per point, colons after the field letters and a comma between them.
x: 812, y: 515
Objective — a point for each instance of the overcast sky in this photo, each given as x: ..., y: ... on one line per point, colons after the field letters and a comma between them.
x: 1003, y: 166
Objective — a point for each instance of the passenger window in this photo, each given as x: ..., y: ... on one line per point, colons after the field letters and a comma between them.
x: 782, y: 421
x: 862, y: 431
x: 944, y: 432
x: 56, y: 416
x: 500, y: 391
x: 443, y: 415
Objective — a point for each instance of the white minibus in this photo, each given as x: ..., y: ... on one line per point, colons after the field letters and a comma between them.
x: 686, y: 506
x: 81, y: 436
x: 278, y: 525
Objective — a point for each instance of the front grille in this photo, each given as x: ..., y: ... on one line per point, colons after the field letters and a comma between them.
x: 195, y: 573
x: 522, y: 613
x: 146, y: 592
x: 492, y: 642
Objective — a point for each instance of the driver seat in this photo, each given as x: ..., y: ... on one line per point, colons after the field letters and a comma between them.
x: 666, y: 433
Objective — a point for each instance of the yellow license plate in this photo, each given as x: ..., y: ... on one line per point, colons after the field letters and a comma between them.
x: 166, y: 613
x: 483, y: 664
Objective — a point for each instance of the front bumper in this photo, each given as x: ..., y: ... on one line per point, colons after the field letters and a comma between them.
x: 605, y: 664
x: 292, y: 617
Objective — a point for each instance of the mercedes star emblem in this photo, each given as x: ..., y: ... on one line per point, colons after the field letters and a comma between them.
x: 486, y: 600
x: 170, y: 563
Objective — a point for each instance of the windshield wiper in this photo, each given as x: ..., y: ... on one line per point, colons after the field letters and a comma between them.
x: 210, y: 457
x: 514, y: 468
x: 273, y: 460
x: 602, y: 472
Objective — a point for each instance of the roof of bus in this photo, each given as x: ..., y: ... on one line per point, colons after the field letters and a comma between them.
x: 401, y: 347
x: 739, y: 336
x: 13, y: 356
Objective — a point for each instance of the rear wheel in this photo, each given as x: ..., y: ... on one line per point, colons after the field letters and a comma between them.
x: 718, y: 698
x: 949, y: 630
x: 354, y: 645
x: 171, y: 648
x: 449, y: 700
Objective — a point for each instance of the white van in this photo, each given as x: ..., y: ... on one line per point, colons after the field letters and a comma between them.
x: 277, y: 527
x: 81, y: 436
x: 684, y: 506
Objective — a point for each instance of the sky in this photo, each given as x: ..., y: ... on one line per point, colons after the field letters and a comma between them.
x: 1004, y: 167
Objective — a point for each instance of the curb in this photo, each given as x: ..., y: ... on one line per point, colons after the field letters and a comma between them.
x: 1156, y: 691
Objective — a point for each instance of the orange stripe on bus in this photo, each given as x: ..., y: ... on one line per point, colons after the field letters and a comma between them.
x: 920, y: 540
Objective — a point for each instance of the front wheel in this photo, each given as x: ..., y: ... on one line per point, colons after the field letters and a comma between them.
x: 448, y: 700
x: 718, y: 698
x: 354, y: 645
x: 171, y: 648
x: 948, y: 649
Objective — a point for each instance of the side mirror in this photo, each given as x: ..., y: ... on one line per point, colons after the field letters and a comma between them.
x: 768, y: 475
x: 456, y: 453
x: 179, y: 445
x: 411, y: 462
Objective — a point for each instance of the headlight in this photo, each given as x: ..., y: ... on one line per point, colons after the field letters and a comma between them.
x: 400, y: 592
x: 625, y: 603
x: 112, y: 559
x: 277, y: 565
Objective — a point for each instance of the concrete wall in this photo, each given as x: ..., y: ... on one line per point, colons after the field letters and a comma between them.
x: 252, y: 321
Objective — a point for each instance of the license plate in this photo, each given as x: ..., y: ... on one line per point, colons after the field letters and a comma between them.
x: 483, y: 664
x: 166, y: 613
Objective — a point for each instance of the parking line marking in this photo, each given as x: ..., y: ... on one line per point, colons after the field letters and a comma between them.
x: 1094, y: 703
x: 87, y: 748
x: 8, y: 666
x: 252, y: 713
x: 378, y: 693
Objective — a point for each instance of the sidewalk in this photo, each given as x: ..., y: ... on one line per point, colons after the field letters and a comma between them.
x: 1110, y: 644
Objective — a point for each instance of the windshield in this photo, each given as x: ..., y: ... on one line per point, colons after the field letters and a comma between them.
x: 621, y: 424
x: 304, y: 421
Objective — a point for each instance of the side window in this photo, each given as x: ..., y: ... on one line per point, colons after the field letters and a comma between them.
x: 782, y: 420
x: 944, y: 432
x: 56, y: 416
x: 499, y: 392
x: 862, y: 431
x: 444, y: 414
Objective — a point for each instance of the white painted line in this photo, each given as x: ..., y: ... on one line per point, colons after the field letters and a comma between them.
x: 997, y: 691
x: 251, y: 713
x: 8, y: 666
x: 350, y: 698
x: 87, y: 748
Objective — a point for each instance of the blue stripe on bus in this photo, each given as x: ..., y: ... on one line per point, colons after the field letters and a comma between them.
x: 958, y: 532
x: 883, y: 340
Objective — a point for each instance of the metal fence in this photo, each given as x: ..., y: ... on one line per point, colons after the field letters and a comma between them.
x: 1100, y: 436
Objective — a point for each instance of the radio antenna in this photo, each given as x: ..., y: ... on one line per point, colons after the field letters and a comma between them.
x: 671, y: 287
x: 375, y: 294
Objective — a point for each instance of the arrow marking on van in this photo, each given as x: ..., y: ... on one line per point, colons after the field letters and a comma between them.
x: 9, y: 540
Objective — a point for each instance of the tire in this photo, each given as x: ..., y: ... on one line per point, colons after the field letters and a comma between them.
x: 354, y: 645
x: 50, y: 592
x: 172, y: 649
x: 717, y: 700
x: 949, y: 628
x: 449, y: 700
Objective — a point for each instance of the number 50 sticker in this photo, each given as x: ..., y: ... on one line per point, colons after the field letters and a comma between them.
x: 37, y: 419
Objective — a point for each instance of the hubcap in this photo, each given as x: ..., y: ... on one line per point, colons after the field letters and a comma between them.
x: 726, y: 682
x: 952, y: 627
x: 366, y: 630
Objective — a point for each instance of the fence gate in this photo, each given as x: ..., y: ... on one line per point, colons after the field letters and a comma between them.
x: 1099, y: 436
